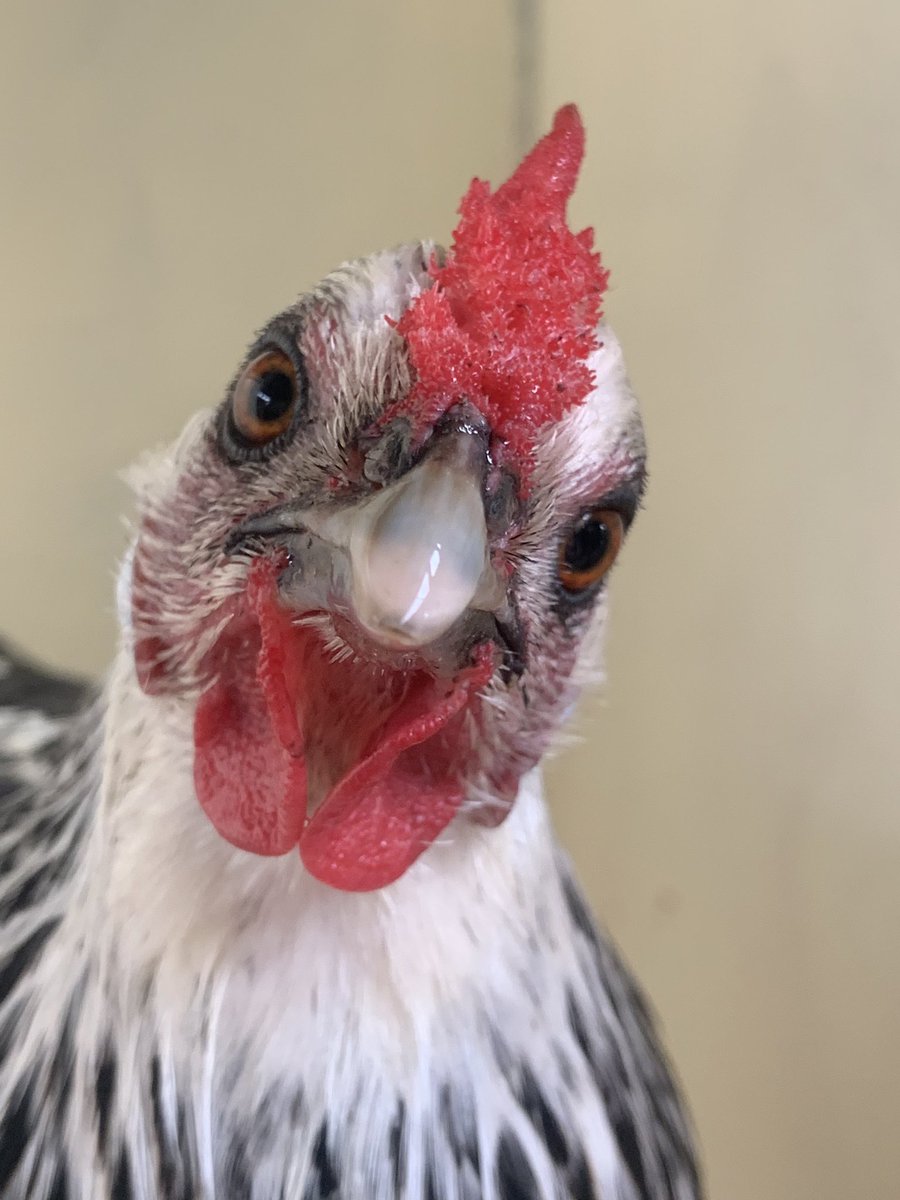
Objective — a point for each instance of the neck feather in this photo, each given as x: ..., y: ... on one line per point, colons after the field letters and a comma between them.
x: 224, y: 986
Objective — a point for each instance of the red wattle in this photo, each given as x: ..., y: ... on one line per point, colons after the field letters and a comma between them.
x: 396, y: 801
x: 248, y: 775
x: 250, y: 771
x: 249, y: 786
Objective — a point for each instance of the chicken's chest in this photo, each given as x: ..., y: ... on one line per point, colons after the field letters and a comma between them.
x: 272, y: 1036
x: 235, y: 1028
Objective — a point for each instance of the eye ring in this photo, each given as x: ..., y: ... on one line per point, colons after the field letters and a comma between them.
x: 590, y: 550
x: 264, y: 399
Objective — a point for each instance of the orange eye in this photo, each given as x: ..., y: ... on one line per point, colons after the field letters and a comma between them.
x: 264, y: 399
x: 590, y: 549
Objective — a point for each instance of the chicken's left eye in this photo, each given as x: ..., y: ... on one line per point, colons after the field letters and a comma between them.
x: 264, y: 398
x: 590, y: 549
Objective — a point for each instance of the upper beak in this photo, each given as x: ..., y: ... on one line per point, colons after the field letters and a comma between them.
x: 407, y: 562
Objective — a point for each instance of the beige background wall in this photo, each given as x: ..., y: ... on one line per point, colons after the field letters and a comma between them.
x: 173, y: 173
x: 744, y: 840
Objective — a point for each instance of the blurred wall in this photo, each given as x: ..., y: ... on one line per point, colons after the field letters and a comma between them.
x: 743, y: 841
x: 174, y: 173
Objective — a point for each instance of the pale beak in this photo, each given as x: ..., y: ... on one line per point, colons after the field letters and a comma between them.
x: 419, y: 555
x: 406, y: 563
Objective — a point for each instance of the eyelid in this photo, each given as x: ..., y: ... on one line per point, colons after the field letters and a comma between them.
x: 624, y: 499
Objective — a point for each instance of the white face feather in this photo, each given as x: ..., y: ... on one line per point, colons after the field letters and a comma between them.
x: 264, y: 978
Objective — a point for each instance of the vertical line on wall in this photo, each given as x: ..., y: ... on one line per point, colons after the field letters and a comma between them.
x: 526, y: 31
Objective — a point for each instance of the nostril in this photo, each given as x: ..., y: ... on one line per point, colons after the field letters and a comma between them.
x: 390, y: 456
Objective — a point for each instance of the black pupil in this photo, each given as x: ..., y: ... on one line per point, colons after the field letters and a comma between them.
x: 273, y: 396
x: 587, y: 546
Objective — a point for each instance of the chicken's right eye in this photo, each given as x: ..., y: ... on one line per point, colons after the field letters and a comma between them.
x: 264, y: 398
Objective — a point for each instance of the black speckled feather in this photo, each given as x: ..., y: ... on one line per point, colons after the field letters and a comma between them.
x: 631, y: 1071
x: 24, y: 685
x: 40, y: 743
x: 610, y: 1024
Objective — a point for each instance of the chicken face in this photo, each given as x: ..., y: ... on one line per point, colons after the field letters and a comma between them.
x: 370, y: 573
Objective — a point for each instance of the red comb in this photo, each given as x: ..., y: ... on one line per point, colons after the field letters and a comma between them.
x: 512, y: 315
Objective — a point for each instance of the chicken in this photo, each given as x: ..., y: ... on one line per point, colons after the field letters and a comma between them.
x: 281, y: 910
